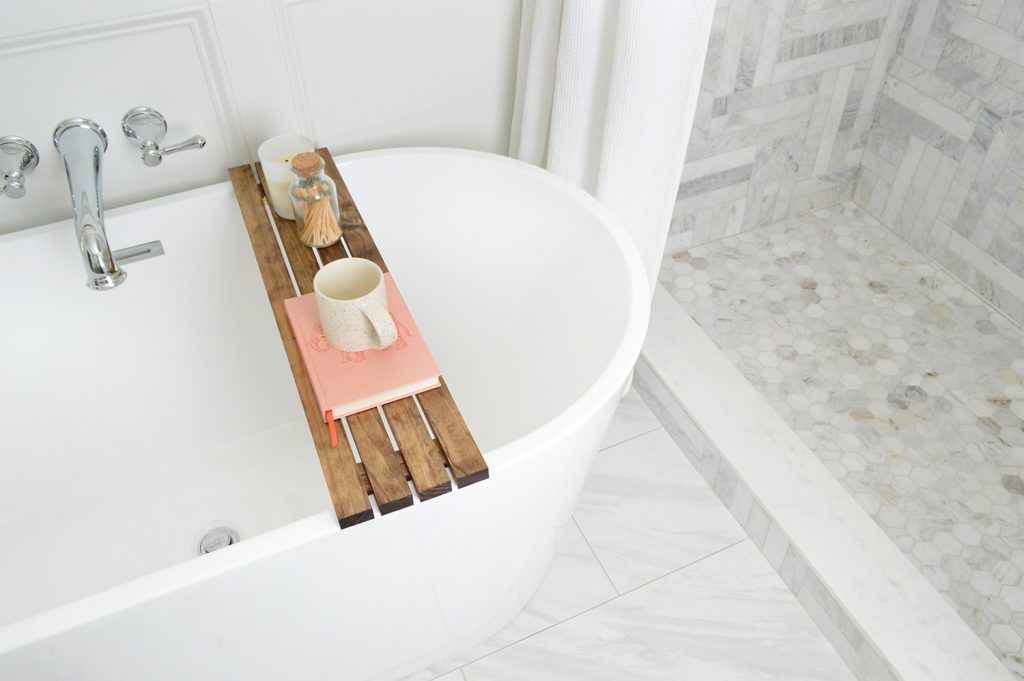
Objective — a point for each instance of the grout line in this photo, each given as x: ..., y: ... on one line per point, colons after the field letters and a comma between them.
x: 773, y: 521
x: 579, y: 529
x: 834, y: 204
x: 838, y: 205
x: 594, y: 553
x: 611, y: 582
x: 921, y: 92
x: 633, y: 437
x: 945, y: 270
x: 911, y: 584
x: 606, y: 602
x: 910, y: 184
x: 687, y: 565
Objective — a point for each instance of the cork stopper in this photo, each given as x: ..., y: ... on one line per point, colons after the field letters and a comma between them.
x: 306, y: 164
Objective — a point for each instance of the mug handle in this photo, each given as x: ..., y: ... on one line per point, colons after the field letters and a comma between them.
x: 383, y: 324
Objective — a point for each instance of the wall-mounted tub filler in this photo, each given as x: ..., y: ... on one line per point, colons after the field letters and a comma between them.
x: 18, y: 158
x: 81, y: 143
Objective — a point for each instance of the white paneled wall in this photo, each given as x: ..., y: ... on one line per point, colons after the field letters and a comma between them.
x: 352, y: 74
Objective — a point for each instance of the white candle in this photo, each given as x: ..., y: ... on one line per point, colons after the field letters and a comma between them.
x: 275, y: 155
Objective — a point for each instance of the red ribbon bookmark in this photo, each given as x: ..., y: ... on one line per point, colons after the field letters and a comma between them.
x: 329, y: 414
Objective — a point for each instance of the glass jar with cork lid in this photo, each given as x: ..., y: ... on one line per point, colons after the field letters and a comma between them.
x: 315, y: 201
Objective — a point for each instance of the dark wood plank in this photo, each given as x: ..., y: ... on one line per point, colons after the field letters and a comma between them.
x: 363, y: 478
x: 382, y: 463
x: 464, y: 458
x: 351, y: 505
x: 261, y: 236
x: 353, y: 229
x: 300, y: 256
x: 422, y: 455
x: 332, y: 253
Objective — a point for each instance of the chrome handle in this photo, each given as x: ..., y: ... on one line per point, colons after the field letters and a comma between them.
x: 193, y: 142
x: 18, y: 158
x: 146, y: 127
x: 14, y: 184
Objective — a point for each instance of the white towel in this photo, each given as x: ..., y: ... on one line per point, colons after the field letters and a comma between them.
x: 606, y: 93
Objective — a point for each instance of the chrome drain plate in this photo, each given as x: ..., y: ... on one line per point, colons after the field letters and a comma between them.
x: 217, y: 538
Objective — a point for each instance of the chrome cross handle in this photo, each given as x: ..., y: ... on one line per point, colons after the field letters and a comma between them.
x: 146, y: 127
x: 18, y: 158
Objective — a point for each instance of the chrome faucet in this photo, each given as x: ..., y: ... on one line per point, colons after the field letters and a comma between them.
x: 81, y: 143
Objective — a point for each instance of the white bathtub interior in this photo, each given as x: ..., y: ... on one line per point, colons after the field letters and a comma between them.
x: 524, y: 297
x: 137, y: 419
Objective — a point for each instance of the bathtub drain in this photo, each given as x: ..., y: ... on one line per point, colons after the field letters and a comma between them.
x: 217, y: 538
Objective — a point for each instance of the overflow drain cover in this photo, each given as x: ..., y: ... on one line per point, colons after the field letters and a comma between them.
x: 217, y: 538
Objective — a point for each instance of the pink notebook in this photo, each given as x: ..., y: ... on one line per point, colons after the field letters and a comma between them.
x: 349, y: 382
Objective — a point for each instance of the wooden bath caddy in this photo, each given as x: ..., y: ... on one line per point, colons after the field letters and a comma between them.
x: 383, y: 471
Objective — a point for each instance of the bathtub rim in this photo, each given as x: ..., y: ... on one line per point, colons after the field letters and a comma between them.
x: 608, y: 383
x: 611, y: 377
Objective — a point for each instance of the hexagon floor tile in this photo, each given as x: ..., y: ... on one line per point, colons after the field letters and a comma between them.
x: 904, y: 382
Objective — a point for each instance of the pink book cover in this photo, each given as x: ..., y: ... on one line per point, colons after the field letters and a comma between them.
x: 350, y: 382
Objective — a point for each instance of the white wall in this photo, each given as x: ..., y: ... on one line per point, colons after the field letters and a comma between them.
x: 352, y: 74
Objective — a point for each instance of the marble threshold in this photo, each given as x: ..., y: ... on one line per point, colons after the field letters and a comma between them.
x: 878, y: 611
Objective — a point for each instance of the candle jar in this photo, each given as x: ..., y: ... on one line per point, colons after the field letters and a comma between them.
x: 314, y: 199
x: 275, y: 156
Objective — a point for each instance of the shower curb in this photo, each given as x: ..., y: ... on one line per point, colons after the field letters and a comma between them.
x: 880, y: 614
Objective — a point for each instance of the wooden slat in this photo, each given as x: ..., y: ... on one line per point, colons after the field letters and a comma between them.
x: 382, y: 463
x: 365, y: 480
x: 351, y: 505
x: 422, y: 455
x: 332, y: 253
x: 300, y: 256
x: 464, y: 458
x: 353, y: 229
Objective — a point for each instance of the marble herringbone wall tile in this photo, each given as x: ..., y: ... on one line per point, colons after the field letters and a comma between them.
x: 787, y: 98
x: 944, y: 160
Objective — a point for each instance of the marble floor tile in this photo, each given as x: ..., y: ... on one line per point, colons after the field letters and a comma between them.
x: 728, y: 617
x: 632, y: 418
x: 574, y: 583
x: 906, y: 385
x: 645, y: 511
x: 454, y: 675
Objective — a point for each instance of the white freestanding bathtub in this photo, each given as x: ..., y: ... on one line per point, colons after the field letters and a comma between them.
x: 135, y: 420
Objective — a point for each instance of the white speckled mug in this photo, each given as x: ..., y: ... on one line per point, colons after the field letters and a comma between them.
x: 353, y: 305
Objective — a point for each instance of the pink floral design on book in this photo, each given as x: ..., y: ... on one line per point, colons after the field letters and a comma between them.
x: 317, y: 339
x: 403, y: 333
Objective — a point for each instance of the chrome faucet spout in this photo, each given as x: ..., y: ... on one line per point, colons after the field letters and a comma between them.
x: 81, y: 143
